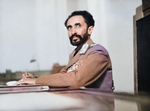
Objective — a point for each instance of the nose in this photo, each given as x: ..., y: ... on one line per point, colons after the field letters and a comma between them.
x: 73, y: 31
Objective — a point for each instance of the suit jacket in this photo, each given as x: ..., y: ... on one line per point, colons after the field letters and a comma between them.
x: 88, y: 66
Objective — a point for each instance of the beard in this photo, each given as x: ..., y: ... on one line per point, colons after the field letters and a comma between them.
x: 81, y: 39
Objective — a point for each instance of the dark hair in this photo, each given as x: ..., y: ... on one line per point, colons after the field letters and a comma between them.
x: 85, y: 14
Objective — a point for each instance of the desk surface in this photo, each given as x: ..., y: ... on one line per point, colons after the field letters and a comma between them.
x: 66, y: 100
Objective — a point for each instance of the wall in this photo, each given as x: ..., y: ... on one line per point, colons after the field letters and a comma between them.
x: 34, y: 29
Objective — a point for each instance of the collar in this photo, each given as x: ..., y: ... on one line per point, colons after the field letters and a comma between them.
x: 89, y: 42
x: 84, y: 47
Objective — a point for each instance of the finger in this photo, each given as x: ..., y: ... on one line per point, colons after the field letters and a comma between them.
x: 21, y: 82
x: 24, y: 76
x: 17, y: 83
x: 30, y: 75
x: 27, y: 75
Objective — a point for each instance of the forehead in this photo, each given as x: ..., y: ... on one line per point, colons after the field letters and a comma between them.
x: 76, y: 19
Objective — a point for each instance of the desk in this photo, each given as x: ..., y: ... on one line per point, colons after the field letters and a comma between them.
x: 73, y: 100
x: 63, y: 100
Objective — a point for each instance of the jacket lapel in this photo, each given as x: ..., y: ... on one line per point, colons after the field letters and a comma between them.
x: 73, y: 58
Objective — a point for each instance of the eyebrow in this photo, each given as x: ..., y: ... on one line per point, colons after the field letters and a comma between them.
x: 69, y: 26
x: 77, y: 24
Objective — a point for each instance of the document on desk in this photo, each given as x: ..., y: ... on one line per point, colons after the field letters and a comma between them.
x: 22, y: 88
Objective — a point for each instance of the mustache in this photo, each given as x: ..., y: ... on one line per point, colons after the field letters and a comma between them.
x: 79, y: 36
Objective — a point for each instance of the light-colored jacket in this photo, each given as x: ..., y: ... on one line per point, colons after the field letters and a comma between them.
x: 94, y: 71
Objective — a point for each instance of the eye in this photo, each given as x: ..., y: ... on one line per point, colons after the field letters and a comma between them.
x: 69, y: 27
x: 78, y: 25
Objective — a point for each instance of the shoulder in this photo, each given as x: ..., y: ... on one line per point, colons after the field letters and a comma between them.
x: 97, y: 48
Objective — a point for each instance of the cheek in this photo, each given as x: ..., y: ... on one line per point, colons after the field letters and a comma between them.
x: 83, y: 32
x: 80, y: 31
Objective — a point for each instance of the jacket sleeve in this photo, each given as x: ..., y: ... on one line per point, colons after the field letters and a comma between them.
x: 91, y: 69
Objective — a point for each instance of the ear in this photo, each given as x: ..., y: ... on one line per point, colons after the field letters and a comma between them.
x: 90, y: 30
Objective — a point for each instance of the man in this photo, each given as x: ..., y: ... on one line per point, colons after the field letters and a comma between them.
x: 89, y: 64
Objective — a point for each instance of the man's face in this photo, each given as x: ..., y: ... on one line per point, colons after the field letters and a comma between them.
x: 77, y: 30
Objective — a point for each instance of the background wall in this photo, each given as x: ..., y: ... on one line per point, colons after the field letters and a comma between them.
x: 34, y: 29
